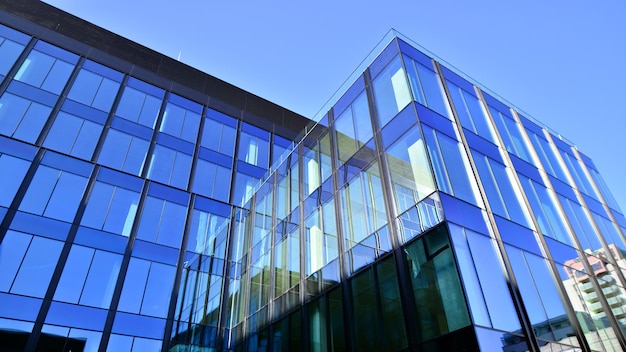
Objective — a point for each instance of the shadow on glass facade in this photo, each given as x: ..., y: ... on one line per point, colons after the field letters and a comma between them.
x: 147, y: 206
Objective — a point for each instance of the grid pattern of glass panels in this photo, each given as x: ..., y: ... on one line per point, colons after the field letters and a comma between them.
x: 421, y: 213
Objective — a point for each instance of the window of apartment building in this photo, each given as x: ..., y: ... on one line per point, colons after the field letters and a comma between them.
x: 95, y: 86
x: 219, y: 132
x: 181, y: 118
x: 471, y: 111
x: 281, y: 147
x: 140, y: 103
x: 170, y: 166
x: 391, y: 91
x: 363, y: 206
x: 47, y: 67
x: 510, y: 132
x: 73, y: 135
x: 12, y: 44
x: 57, y: 188
x: 353, y: 127
x: 254, y: 146
x: 581, y: 181
x: 27, y: 263
x: 22, y: 118
x: 162, y: 221
x: 426, y: 86
x: 547, y: 214
x: 410, y: 171
x: 147, y: 288
x: 321, y: 237
x: 13, y: 171
x: 488, y: 295
x: 580, y: 221
x: 546, y: 153
x: 89, y: 277
x: 113, y: 203
x: 209, y: 228
x: 212, y: 180
x: 497, y: 180
x: 316, y: 164
x: 450, y: 165
x: 124, y: 151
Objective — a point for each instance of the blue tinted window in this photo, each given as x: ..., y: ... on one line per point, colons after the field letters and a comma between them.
x: 578, y: 173
x: 448, y: 163
x: 119, y: 343
x: 353, y: 127
x: 170, y: 166
x: 111, y: 208
x: 37, y: 265
x: 124, y: 152
x: 89, y: 277
x: 12, y: 251
x: 581, y: 224
x: 13, y: 171
x: 281, y: 146
x: 410, y: 170
x: 253, y: 150
x: 470, y: 111
x: 22, y: 118
x: 94, y: 90
x: 54, y: 193
x: 609, y: 231
x: 9, y: 52
x: 140, y: 344
x: 363, y: 208
x: 212, y: 180
x: 479, y: 263
x: 147, y: 288
x: 426, y: 86
x: 139, y: 107
x: 208, y: 234
x: 73, y: 135
x: 546, y: 213
x: 71, y: 337
x: 391, y: 91
x: 74, y: 274
x: 542, y: 147
x: 244, y: 185
x: 608, y: 196
x: 511, y: 134
x: 162, y: 222
x: 44, y: 71
x: 180, y: 122
x: 541, y: 298
x: 500, y: 192
x: 218, y: 135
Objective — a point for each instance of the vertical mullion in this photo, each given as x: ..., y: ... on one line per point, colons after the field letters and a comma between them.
x: 117, y: 293
x: 33, y: 338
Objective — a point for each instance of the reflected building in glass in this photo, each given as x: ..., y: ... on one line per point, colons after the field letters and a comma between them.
x: 147, y: 206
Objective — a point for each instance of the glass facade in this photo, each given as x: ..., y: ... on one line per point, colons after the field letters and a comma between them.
x: 140, y: 211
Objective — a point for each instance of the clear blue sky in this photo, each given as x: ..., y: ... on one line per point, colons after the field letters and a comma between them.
x: 563, y: 62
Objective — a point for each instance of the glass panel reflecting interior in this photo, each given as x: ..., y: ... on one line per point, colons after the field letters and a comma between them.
x: 410, y: 170
x: 391, y: 91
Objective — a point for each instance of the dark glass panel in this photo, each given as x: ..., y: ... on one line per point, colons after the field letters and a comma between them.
x: 436, y: 285
x: 364, y: 326
x: 392, y: 310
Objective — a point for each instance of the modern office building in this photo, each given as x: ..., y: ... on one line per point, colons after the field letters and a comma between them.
x: 148, y: 206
